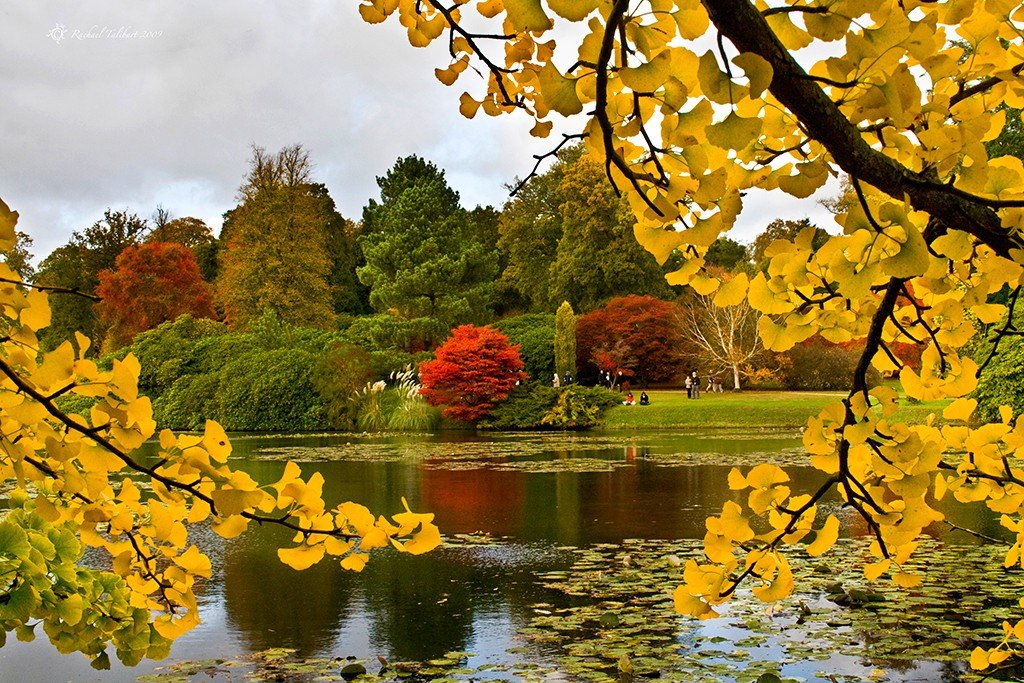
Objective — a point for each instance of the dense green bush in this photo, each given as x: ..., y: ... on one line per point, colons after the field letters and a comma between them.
x: 189, y: 403
x: 163, y: 351
x: 572, y: 411
x: 535, y: 334
x: 1002, y: 380
x: 270, y: 391
x: 824, y: 367
x: 537, y: 406
x: 524, y: 408
x: 388, y: 332
x: 340, y: 372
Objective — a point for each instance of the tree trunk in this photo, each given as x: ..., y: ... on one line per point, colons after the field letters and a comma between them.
x: 735, y: 377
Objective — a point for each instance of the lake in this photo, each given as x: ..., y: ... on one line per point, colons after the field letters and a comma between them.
x: 561, y: 552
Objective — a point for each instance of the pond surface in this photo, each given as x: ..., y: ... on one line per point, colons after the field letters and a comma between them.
x: 561, y: 553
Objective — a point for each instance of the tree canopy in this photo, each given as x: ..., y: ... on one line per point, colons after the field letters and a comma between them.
x: 690, y: 103
x: 76, y: 266
x: 568, y: 237
x: 277, y: 253
x: 423, y: 255
x: 150, y: 284
x: 474, y: 370
x: 91, y: 489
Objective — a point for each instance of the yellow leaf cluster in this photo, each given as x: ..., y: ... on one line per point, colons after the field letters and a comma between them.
x: 81, y: 468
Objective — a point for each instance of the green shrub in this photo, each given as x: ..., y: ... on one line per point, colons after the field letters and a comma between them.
x: 821, y: 367
x: 189, y: 403
x: 573, y: 410
x: 270, y: 391
x: 1002, y: 380
x: 73, y: 403
x: 538, y: 406
x: 339, y: 373
x: 535, y: 334
x: 524, y: 408
x: 163, y: 351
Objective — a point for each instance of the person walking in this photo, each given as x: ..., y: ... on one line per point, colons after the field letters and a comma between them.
x: 556, y: 382
x: 689, y: 387
x: 696, y: 385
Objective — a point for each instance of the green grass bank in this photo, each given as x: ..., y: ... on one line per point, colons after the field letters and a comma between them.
x: 748, y: 409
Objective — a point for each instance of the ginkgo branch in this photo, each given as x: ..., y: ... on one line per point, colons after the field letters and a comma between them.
x: 48, y: 288
x: 1008, y: 329
x: 190, y: 489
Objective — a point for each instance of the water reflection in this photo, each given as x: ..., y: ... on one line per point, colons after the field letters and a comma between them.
x: 459, y: 598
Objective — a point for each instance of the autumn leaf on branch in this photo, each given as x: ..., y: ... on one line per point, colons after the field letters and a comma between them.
x: 691, y: 103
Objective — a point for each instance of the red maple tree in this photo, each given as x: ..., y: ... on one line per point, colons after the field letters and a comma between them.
x: 636, y: 334
x: 150, y: 284
x: 472, y: 372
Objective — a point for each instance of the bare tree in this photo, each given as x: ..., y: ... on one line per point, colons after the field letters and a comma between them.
x: 726, y: 336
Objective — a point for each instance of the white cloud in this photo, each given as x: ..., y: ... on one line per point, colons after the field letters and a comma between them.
x: 135, y: 122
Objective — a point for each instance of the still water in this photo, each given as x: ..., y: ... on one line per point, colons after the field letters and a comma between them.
x: 550, y: 505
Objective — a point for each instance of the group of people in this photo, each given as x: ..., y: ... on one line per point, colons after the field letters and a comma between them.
x: 563, y: 381
x: 693, y: 385
x: 621, y: 382
x: 645, y: 400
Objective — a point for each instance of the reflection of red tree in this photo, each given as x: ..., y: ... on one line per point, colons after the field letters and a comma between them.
x: 466, y: 501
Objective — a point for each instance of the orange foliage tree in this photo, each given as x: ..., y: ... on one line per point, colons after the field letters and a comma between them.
x: 474, y: 370
x: 638, y: 334
x: 152, y: 283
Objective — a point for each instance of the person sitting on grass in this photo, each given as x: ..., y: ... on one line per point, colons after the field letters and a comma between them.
x: 629, y: 399
x: 645, y: 400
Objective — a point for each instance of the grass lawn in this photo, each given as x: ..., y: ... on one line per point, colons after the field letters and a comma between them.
x: 765, y: 409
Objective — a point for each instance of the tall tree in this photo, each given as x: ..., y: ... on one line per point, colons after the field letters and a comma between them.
x: 151, y: 284
x: 725, y: 332
x: 194, y: 233
x: 277, y: 254
x: 637, y: 334
x: 565, y: 340
x: 598, y: 256
x: 19, y: 257
x: 896, y: 102
x: 77, y: 266
x: 423, y: 257
x: 348, y: 295
x: 530, y: 227
x: 568, y: 237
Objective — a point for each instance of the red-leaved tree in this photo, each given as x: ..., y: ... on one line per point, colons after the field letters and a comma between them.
x: 472, y: 372
x: 150, y: 284
x: 637, y: 334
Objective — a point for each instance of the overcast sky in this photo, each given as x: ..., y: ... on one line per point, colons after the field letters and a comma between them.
x: 101, y: 120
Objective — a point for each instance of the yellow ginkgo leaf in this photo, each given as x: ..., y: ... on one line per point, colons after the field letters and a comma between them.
x: 650, y: 76
x: 8, y: 222
x: 704, y: 285
x: 527, y: 15
x: 732, y: 291
x: 354, y: 562
x: 559, y: 92
x: 757, y: 70
x: 960, y: 410
x: 826, y: 538
x: 302, y: 556
x: 573, y: 10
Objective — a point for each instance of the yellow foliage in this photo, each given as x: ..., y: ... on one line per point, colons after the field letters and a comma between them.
x: 82, y: 494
